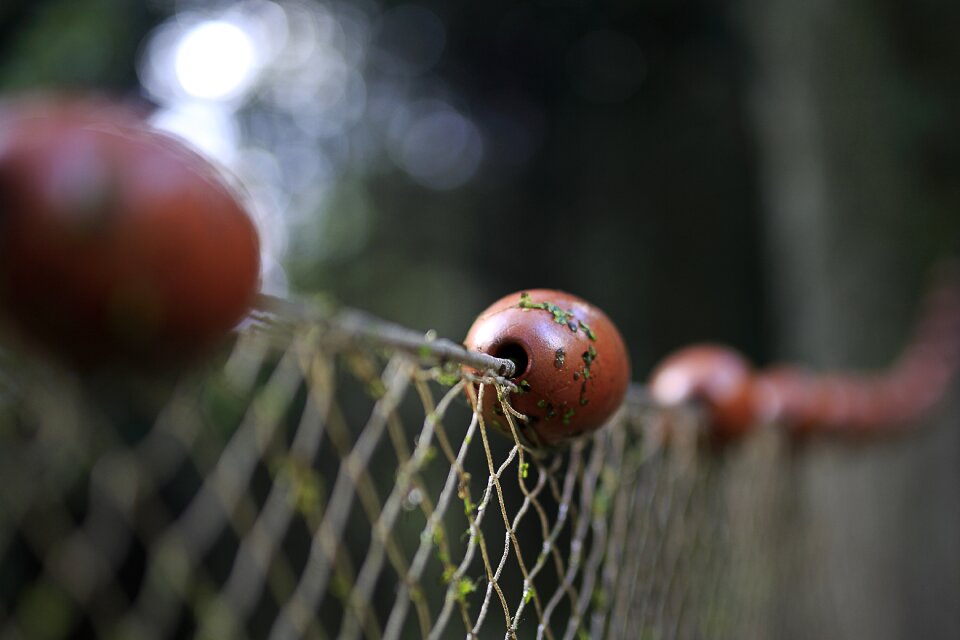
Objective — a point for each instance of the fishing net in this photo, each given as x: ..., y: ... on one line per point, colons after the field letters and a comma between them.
x: 316, y: 484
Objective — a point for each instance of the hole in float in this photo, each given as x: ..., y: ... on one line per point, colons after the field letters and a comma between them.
x: 515, y: 352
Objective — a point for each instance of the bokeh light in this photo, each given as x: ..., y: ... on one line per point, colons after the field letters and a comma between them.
x: 209, y: 127
x: 410, y: 40
x: 305, y: 101
x: 215, y: 60
x: 437, y: 146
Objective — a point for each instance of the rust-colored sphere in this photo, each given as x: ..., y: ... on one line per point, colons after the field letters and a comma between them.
x: 718, y: 377
x: 572, y: 366
x: 117, y: 242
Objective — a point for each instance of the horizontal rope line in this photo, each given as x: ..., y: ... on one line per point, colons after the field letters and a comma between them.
x: 355, y: 324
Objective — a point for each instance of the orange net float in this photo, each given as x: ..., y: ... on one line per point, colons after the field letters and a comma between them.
x: 572, y: 369
x: 118, y: 243
x: 715, y: 375
x: 738, y: 398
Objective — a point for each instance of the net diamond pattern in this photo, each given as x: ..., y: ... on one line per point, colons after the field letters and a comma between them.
x: 318, y: 488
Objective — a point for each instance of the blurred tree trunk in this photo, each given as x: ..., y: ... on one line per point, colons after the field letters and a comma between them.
x: 877, y: 549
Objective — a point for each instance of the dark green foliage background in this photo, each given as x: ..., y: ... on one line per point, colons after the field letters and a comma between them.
x: 660, y: 209
x: 651, y: 207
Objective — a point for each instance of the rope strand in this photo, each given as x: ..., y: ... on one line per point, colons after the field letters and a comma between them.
x: 355, y: 324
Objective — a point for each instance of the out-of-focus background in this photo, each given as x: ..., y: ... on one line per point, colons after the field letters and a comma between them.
x: 772, y: 174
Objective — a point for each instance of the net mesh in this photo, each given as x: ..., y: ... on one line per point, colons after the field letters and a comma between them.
x: 324, y: 488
